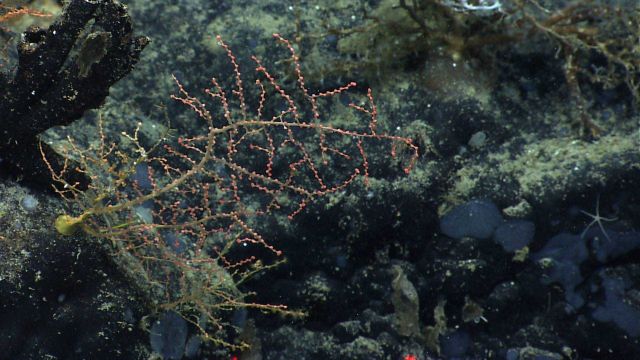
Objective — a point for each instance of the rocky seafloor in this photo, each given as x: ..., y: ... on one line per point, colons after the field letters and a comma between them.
x: 514, y: 236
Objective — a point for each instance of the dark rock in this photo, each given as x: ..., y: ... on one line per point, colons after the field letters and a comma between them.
x: 55, y: 83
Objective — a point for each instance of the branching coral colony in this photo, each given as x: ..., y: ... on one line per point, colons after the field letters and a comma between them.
x: 184, y: 214
x: 596, y: 41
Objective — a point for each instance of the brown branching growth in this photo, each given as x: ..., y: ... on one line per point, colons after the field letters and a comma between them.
x: 183, y: 214
x: 584, y: 30
x: 596, y: 42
